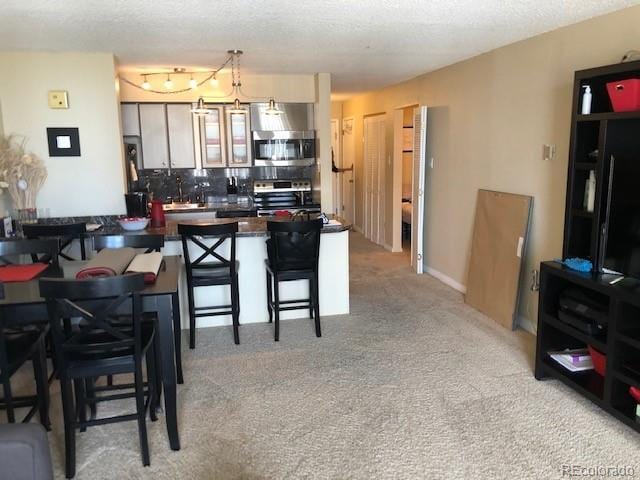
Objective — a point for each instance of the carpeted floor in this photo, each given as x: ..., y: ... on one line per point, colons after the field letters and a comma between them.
x: 412, y: 384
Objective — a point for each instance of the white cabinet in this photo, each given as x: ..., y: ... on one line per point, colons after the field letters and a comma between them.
x: 212, y: 138
x: 153, y: 130
x: 130, y: 119
x: 238, y: 139
x: 180, y: 130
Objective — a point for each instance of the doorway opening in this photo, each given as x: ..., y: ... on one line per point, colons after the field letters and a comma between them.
x: 409, y: 148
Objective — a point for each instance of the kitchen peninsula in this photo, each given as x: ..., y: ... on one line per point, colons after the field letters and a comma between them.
x: 251, y: 252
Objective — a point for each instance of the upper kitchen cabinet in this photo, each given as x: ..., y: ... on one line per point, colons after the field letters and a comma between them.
x: 153, y: 130
x: 238, y: 138
x: 181, y: 142
x: 130, y: 119
x: 212, y: 138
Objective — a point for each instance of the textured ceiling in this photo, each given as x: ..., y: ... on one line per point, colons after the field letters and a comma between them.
x: 364, y: 44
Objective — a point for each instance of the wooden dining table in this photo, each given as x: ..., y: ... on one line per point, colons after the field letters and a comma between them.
x: 22, y: 305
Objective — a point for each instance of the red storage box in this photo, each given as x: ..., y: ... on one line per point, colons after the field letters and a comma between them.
x: 625, y: 95
x: 599, y: 360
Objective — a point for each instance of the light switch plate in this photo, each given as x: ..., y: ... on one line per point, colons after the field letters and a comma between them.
x: 549, y: 152
x: 58, y: 99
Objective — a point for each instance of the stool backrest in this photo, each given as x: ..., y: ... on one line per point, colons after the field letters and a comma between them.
x: 96, y: 302
x: 66, y: 233
x: 222, y: 232
x: 48, y: 248
x: 151, y: 242
x: 294, y: 244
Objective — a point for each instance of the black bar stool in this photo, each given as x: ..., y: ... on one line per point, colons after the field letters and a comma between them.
x: 66, y: 233
x: 94, y: 347
x: 293, y: 251
x: 18, y: 345
x: 219, y: 271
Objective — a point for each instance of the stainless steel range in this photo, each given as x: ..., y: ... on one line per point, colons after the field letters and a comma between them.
x: 279, y: 196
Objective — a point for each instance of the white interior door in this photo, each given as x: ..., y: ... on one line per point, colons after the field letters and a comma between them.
x: 348, y: 191
x: 418, y: 192
x: 374, y: 154
x: 336, y: 178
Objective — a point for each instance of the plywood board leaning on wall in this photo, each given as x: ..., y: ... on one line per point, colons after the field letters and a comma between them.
x: 497, y: 250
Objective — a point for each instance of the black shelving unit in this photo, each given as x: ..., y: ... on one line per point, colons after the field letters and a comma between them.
x: 620, y: 343
x: 594, y: 139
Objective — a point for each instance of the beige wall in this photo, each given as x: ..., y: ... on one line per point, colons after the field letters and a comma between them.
x: 488, y: 120
x: 93, y: 183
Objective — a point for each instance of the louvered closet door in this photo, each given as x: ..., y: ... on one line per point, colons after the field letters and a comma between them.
x: 374, y: 128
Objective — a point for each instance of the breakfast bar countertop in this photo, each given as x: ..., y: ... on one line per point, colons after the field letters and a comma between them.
x: 247, y: 226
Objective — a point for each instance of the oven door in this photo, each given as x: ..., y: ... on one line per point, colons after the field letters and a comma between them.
x: 281, y: 149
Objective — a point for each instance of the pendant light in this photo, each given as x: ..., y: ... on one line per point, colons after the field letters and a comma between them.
x: 214, y: 81
x: 168, y: 84
x: 193, y: 84
x: 237, y: 108
x: 200, y: 110
x: 146, y: 85
x: 272, y: 109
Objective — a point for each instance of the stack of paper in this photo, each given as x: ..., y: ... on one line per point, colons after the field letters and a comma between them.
x: 576, y: 360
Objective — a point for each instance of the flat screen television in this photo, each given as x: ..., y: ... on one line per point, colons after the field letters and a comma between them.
x: 621, y: 251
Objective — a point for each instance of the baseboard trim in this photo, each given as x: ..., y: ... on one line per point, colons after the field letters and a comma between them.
x: 357, y: 228
x: 526, y: 325
x: 445, y: 279
x: 391, y: 249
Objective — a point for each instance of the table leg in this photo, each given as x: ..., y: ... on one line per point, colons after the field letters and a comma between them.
x: 168, y: 368
x: 177, y: 336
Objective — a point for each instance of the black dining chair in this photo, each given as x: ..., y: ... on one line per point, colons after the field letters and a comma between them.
x: 94, y: 347
x: 220, y: 270
x: 19, y: 344
x: 293, y: 251
x: 150, y: 242
x: 66, y: 233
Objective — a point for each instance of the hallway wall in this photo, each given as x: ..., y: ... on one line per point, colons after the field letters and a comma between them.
x: 489, y: 118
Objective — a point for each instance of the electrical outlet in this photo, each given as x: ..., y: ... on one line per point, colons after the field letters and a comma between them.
x: 58, y: 99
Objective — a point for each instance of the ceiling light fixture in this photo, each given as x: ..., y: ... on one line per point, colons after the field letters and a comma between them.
x: 193, y: 84
x: 201, y: 109
x: 214, y: 81
x: 146, y: 85
x: 168, y: 83
x: 272, y: 109
x: 235, y: 80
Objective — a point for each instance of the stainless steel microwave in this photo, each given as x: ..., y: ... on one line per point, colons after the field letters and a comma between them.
x: 284, y: 148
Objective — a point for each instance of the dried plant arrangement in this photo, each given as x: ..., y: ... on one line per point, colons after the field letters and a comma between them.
x: 22, y: 174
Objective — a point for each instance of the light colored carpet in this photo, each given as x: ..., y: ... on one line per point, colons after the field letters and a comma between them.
x: 412, y: 384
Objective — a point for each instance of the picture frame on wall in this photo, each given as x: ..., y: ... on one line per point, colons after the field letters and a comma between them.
x: 63, y: 142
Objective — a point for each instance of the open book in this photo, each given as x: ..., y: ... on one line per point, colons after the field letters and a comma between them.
x: 147, y: 263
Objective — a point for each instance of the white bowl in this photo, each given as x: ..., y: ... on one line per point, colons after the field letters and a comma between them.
x: 132, y: 224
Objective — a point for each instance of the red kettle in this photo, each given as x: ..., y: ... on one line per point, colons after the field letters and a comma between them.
x: 157, y: 214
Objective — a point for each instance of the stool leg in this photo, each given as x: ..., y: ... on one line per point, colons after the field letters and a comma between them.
x: 276, y: 307
x: 142, y: 421
x: 8, y: 397
x: 69, y: 428
x: 78, y: 387
x: 316, y: 302
x: 269, y: 296
x: 177, y: 337
x: 235, y: 309
x: 192, y: 318
x: 42, y: 385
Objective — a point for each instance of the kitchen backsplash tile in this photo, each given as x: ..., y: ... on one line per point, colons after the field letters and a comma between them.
x: 213, y: 181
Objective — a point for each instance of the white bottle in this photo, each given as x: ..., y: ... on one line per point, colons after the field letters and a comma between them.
x: 591, y: 197
x: 586, y: 100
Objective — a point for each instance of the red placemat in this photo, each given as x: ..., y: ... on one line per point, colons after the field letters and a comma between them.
x: 21, y: 273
